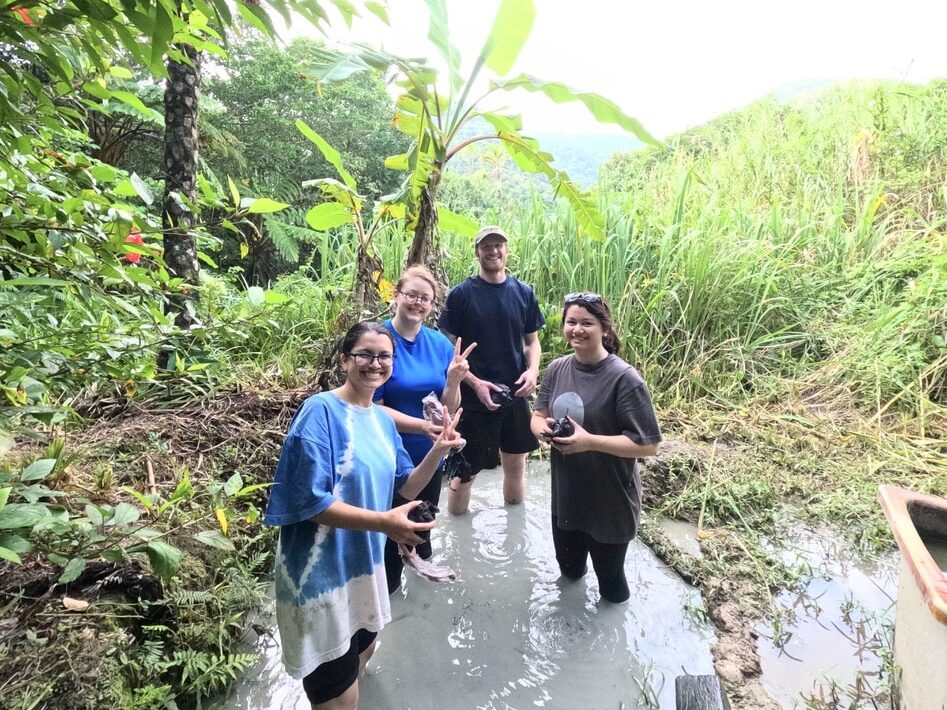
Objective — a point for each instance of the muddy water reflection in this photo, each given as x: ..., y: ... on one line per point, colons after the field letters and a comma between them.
x: 838, y: 615
x: 510, y: 634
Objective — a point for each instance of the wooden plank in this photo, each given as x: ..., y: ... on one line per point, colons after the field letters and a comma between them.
x: 700, y: 692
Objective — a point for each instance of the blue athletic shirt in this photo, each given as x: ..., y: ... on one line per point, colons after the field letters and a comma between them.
x: 330, y: 582
x: 420, y: 368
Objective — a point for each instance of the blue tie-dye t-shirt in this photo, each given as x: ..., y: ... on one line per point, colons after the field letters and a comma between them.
x: 330, y: 582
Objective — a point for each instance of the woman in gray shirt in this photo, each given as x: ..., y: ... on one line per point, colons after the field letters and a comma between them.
x: 596, y: 489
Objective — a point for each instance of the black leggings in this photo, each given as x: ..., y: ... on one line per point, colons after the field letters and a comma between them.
x: 393, y: 564
x: 574, y: 547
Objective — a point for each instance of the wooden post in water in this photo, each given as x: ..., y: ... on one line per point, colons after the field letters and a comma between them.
x: 700, y: 692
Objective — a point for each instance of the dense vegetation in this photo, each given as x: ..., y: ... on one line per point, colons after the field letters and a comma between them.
x: 779, y: 275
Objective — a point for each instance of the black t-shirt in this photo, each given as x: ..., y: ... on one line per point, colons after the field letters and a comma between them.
x: 496, y: 317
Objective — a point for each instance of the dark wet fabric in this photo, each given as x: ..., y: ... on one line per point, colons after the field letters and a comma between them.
x: 574, y: 548
x: 332, y: 679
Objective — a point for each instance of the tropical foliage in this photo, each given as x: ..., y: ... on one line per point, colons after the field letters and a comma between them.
x: 434, y: 116
x: 782, y: 263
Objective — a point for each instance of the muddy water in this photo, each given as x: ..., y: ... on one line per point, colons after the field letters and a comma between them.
x: 510, y: 634
x: 835, y: 618
x: 938, y: 550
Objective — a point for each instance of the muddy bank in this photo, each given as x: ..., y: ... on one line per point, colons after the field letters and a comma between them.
x: 777, y: 646
x: 118, y: 636
x: 732, y: 602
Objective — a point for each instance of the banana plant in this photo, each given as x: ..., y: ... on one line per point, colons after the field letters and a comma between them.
x: 342, y: 205
x: 435, y: 119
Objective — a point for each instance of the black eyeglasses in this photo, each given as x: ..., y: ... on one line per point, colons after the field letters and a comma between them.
x: 582, y: 296
x: 366, y: 359
x: 421, y: 298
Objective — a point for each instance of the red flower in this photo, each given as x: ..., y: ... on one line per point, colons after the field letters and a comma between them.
x: 24, y: 15
x: 134, y: 237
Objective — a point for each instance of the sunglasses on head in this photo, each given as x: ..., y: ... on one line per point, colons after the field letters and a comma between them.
x: 582, y: 297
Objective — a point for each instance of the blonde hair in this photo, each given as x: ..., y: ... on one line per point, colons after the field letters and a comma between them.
x: 419, y: 272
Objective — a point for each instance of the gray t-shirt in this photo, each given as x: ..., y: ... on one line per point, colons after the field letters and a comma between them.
x: 598, y: 493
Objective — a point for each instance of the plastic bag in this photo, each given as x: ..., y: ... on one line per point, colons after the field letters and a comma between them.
x: 432, y: 409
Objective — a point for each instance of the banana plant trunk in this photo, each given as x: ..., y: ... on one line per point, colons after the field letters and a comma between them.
x: 426, y: 245
x: 181, y: 96
x: 367, y: 269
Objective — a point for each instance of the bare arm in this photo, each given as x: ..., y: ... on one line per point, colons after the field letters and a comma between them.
x: 615, y: 445
x: 481, y: 388
x: 394, y: 523
x: 539, y: 424
x: 533, y: 351
x: 423, y: 472
x: 450, y: 395
x: 458, y: 369
x: 621, y: 446
x: 406, y: 424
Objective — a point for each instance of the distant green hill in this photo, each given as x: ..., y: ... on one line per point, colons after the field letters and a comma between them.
x: 582, y: 154
x: 578, y: 154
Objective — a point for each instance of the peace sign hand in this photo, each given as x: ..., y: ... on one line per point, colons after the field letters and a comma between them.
x: 449, y: 438
x: 459, y: 367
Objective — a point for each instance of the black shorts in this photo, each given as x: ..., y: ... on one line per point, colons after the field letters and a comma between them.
x: 489, y: 433
x: 333, y: 678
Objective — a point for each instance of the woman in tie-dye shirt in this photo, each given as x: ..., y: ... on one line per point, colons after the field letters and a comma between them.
x: 340, y: 465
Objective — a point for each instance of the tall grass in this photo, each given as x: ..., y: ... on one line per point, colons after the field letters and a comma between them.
x: 797, y: 243
x: 783, y: 241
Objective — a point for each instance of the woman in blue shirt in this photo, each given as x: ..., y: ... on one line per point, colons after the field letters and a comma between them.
x: 340, y: 465
x: 425, y: 362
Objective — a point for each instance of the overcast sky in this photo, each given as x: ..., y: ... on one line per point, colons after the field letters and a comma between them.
x: 677, y: 63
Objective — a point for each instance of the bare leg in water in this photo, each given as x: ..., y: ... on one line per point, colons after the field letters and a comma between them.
x: 514, y: 485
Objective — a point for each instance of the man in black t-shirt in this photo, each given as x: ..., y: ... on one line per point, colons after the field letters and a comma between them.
x: 499, y: 313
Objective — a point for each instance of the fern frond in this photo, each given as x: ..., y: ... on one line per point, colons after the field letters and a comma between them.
x: 190, y: 597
